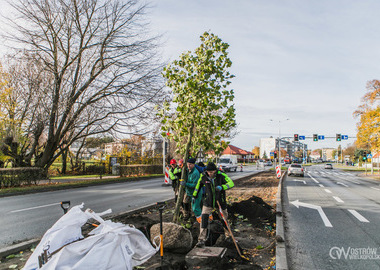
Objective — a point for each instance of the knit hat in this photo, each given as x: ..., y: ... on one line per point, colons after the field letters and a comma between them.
x: 191, y: 160
x: 211, y: 167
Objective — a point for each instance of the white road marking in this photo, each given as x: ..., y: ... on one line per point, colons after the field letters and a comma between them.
x: 327, y: 190
x: 316, y: 181
x: 340, y: 183
x: 300, y: 181
x: 321, y: 185
x: 36, y: 207
x: 338, y: 199
x: 326, y: 221
x: 355, y: 182
x: 358, y: 216
x: 130, y: 190
x: 375, y: 188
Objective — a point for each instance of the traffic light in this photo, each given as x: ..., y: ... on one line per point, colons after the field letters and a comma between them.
x: 275, y: 154
x: 315, y: 137
x: 338, y: 137
x: 296, y: 139
x: 364, y: 155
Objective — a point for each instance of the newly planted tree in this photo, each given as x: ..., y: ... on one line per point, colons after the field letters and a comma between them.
x: 201, y: 114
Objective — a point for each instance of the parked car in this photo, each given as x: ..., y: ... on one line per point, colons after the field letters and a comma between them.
x: 328, y: 166
x: 268, y: 163
x: 296, y: 169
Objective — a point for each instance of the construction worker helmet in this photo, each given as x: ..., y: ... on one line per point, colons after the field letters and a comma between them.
x: 173, y: 161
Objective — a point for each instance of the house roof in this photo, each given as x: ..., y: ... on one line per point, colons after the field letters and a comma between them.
x: 233, y: 150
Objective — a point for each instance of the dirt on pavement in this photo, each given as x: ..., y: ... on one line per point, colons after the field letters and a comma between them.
x: 251, y: 208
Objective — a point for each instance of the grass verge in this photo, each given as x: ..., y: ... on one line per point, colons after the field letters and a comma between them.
x: 66, y: 185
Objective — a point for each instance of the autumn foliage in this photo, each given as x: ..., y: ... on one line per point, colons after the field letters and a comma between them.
x: 368, y: 112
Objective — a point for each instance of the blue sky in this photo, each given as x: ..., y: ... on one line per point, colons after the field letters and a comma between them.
x: 305, y: 60
x: 302, y: 60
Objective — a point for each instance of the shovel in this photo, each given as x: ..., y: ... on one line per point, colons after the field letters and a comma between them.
x: 161, y: 208
x: 229, y: 230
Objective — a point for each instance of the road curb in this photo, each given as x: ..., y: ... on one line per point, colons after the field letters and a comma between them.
x: 5, y: 251
x: 281, y: 259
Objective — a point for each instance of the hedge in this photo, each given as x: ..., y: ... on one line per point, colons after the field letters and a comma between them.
x: 15, y: 177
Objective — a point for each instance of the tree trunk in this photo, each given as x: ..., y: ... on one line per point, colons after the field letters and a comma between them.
x: 182, y: 188
x: 64, y: 160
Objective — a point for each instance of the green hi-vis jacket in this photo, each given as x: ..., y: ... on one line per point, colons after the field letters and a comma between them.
x: 210, y: 194
x: 174, y: 173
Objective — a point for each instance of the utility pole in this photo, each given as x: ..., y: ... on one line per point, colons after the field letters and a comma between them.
x: 279, y: 141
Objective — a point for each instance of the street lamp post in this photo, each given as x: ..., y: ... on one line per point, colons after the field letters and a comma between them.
x: 279, y: 139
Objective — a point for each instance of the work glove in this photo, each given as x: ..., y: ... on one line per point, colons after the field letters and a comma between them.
x: 199, y: 219
x: 218, y: 188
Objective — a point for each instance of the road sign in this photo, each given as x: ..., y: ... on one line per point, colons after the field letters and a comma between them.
x: 301, y: 137
x: 272, y: 154
x: 321, y: 137
x: 369, y: 156
x: 344, y: 137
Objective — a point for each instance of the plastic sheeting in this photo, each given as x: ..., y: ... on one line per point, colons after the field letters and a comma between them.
x: 109, y: 246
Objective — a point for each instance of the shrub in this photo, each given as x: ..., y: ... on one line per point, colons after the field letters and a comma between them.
x: 15, y: 177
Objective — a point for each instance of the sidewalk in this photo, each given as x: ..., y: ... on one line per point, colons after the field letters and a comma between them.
x: 67, y: 180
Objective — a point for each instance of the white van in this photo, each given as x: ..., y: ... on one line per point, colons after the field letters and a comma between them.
x: 227, y: 163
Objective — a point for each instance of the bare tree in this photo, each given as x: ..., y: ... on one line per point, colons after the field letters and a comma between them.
x: 101, y: 63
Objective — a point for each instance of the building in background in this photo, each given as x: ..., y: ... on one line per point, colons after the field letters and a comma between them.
x: 287, y: 145
x: 242, y: 155
x: 315, y: 155
x: 327, y: 154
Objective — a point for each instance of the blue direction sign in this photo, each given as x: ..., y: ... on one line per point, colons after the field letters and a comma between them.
x: 272, y: 154
x: 369, y: 156
x: 344, y: 137
x: 321, y: 137
x: 301, y: 138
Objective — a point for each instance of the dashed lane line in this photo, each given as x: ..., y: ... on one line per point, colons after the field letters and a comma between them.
x: 339, y: 200
x: 343, y: 184
x: 316, y: 181
x: 36, y: 207
x: 358, y: 216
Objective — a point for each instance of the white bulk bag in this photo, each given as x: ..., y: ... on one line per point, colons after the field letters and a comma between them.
x: 110, y: 246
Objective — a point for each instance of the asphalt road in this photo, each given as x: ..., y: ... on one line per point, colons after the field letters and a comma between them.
x: 26, y: 217
x: 332, y: 220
